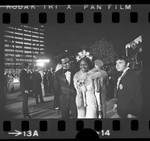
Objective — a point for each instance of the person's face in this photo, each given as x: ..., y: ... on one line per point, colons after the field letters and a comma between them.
x: 65, y: 63
x: 83, y: 66
x: 121, y: 65
x: 27, y: 68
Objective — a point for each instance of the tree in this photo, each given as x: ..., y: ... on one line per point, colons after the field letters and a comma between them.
x: 104, y: 51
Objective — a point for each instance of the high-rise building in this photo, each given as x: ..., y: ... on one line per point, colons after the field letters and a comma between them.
x: 22, y: 44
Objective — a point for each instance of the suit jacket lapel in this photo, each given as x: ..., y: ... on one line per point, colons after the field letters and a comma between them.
x: 64, y: 77
x: 71, y: 81
x: 124, y: 75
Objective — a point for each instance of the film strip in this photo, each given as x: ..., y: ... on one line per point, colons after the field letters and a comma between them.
x: 36, y: 32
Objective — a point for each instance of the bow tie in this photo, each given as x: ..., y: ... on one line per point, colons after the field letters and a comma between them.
x: 65, y: 70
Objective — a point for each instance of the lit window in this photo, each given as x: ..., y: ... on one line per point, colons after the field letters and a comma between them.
x: 19, y: 51
x: 10, y: 27
x: 7, y: 36
x: 6, y: 45
x: 10, y: 32
x: 26, y: 43
x: 9, y: 50
x: 41, y: 29
x: 35, y: 32
x: 27, y: 26
x: 17, y: 33
x: 27, y: 35
x: 27, y: 31
x: 41, y: 41
x: 28, y: 52
x: 42, y: 49
x: 17, y: 42
x: 27, y: 39
x: 35, y: 28
x: 18, y: 46
x: 41, y: 45
x: 41, y: 33
x: 27, y: 47
x: 41, y: 37
x: 35, y: 40
x: 19, y: 60
x: 29, y: 56
x: 19, y: 38
x: 9, y: 59
x: 11, y: 55
x: 35, y: 36
x: 35, y: 48
x: 19, y: 29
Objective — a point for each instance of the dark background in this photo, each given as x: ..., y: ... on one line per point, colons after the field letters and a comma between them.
x: 58, y: 38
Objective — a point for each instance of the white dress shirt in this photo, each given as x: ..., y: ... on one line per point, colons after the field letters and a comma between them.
x: 119, y: 79
x: 68, y: 76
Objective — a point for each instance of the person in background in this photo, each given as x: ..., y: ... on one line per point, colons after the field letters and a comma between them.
x: 56, y: 96
x: 45, y: 81
x: 36, y: 81
x: 50, y: 81
x: 129, y: 95
x: 6, y: 81
x: 113, y: 75
x: 40, y: 70
x: 25, y: 89
x: 101, y: 86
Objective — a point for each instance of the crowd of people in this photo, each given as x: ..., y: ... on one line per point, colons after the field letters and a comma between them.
x: 82, y: 91
x: 34, y: 83
x: 9, y: 78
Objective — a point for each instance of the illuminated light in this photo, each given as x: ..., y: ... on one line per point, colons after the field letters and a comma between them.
x: 41, y: 64
x: 43, y: 61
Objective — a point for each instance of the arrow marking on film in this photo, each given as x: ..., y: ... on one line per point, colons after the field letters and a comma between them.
x: 16, y: 133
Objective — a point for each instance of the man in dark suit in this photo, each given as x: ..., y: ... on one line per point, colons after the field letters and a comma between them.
x: 129, y: 95
x: 25, y: 89
x: 37, y: 89
x: 65, y: 90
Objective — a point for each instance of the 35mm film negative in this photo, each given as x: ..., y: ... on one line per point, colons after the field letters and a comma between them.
x: 73, y: 70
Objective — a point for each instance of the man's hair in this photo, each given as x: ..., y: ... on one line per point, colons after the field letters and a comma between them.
x: 35, y: 67
x: 126, y: 59
x: 25, y: 65
x: 63, y: 56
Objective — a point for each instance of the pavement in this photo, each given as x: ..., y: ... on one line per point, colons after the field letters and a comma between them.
x: 43, y: 110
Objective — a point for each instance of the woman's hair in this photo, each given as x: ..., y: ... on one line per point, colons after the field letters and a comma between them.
x: 89, y: 62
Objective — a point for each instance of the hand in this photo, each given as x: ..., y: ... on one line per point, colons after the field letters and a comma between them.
x: 115, y: 107
x: 26, y: 91
x: 130, y: 116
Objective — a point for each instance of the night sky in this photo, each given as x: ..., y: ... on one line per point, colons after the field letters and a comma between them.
x: 72, y: 37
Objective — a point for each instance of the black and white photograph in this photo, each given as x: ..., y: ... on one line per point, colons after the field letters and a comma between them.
x: 73, y: 70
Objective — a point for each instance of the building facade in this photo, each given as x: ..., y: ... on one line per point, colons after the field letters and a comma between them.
x: 22, y: 44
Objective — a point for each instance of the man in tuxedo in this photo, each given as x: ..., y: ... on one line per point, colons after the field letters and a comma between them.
x: 37, y: 79
x: 25, y: 87
x: 129, y: 95
x: 65, y: 90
